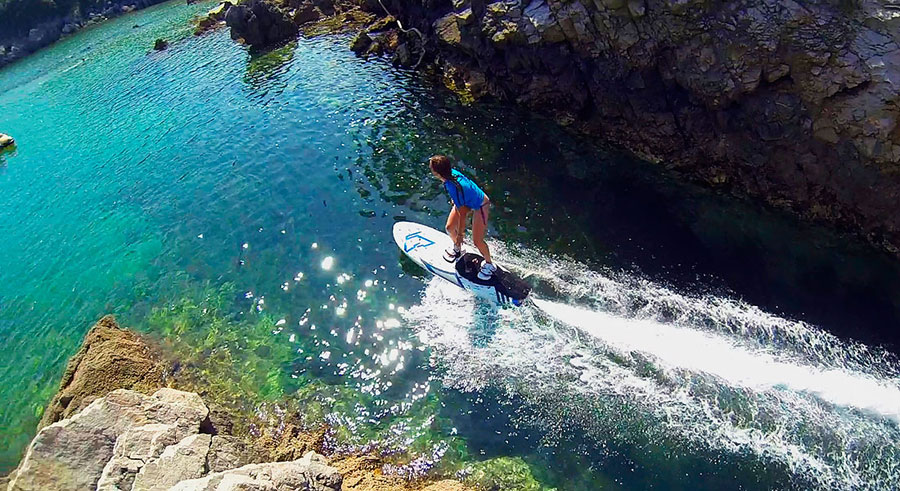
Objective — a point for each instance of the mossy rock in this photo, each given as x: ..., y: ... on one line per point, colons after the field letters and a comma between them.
x: 503, y: 473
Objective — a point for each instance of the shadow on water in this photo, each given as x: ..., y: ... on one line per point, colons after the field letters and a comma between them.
x: 6, y: 154
x: 265, y: 70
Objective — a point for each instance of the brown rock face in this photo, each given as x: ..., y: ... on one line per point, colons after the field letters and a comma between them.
x: 110, y: 358
x: 798, y: 104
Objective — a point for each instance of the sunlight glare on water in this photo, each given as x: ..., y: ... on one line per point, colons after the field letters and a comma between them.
x: 238, y: 207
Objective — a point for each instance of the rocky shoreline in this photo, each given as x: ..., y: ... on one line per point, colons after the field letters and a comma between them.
x: 124, y: 418
x: 13, y: 47
x: 796, y: 105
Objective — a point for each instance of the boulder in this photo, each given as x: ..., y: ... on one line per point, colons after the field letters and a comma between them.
x: 310, y: 472
x: 182, y: 461
x: 6, y: 140
x: 361, y: 43
x: 74, y: 453
x: 230, y: 452
x: 259, y: 24
x: 160, y: 44
x: 306, y: 13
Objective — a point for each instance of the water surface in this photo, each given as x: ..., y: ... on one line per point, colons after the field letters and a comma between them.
x: 241, y: 206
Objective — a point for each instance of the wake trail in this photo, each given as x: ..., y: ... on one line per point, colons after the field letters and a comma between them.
x: 710, y: 371
x: 701, y: 352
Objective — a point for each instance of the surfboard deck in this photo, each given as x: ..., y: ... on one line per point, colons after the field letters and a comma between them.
x: 426, y: 246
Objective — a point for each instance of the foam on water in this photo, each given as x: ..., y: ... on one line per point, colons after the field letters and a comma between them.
x: 710, y: 372
x: 701, y: 352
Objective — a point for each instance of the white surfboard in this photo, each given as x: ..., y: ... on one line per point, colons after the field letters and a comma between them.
x: 426, y: 246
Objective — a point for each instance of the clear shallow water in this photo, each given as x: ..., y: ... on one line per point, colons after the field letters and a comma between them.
x: 242, y: 205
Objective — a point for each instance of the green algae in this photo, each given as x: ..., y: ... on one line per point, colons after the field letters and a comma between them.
x: 511, y: 473
x: 244, y: 363
x: 237, y: 356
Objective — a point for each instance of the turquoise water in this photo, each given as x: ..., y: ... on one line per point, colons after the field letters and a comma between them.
x: 242, y: 206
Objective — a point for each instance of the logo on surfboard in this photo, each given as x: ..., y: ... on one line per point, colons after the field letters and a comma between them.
x: 415, y: 240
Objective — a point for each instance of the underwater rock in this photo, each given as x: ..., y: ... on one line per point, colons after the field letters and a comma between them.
x: 503, y: 473
x: 6, y: 140
x: 109, y: 358
x: 796, y: 104
x: 259, y: 24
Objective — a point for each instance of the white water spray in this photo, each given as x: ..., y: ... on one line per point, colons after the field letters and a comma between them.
x: 711, y: 354
x: 712, y: 371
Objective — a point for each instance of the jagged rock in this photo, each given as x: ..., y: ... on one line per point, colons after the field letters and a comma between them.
x: 126, y: 440
x: 229, y: 452
x: 361, y: 43
x: 182, y: 461
x: 306, y: 13
x: 109, y: 358
x: 133, y: 449
x: 74, y: 452
x: 310, y: 472
x: 218, y: 12
x: 259, y: 24
x: 213, y: 18
x: 402, y: 56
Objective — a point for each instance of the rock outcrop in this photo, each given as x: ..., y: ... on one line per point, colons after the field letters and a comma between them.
x: 260, y: 24
x: 109, y: 358
x: 795, y: 103
x: 128, y: 440
x: 263, y: 23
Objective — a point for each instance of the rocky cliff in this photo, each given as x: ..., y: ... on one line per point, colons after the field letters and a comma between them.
x: 98, y: 434
x: 795, y: 103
